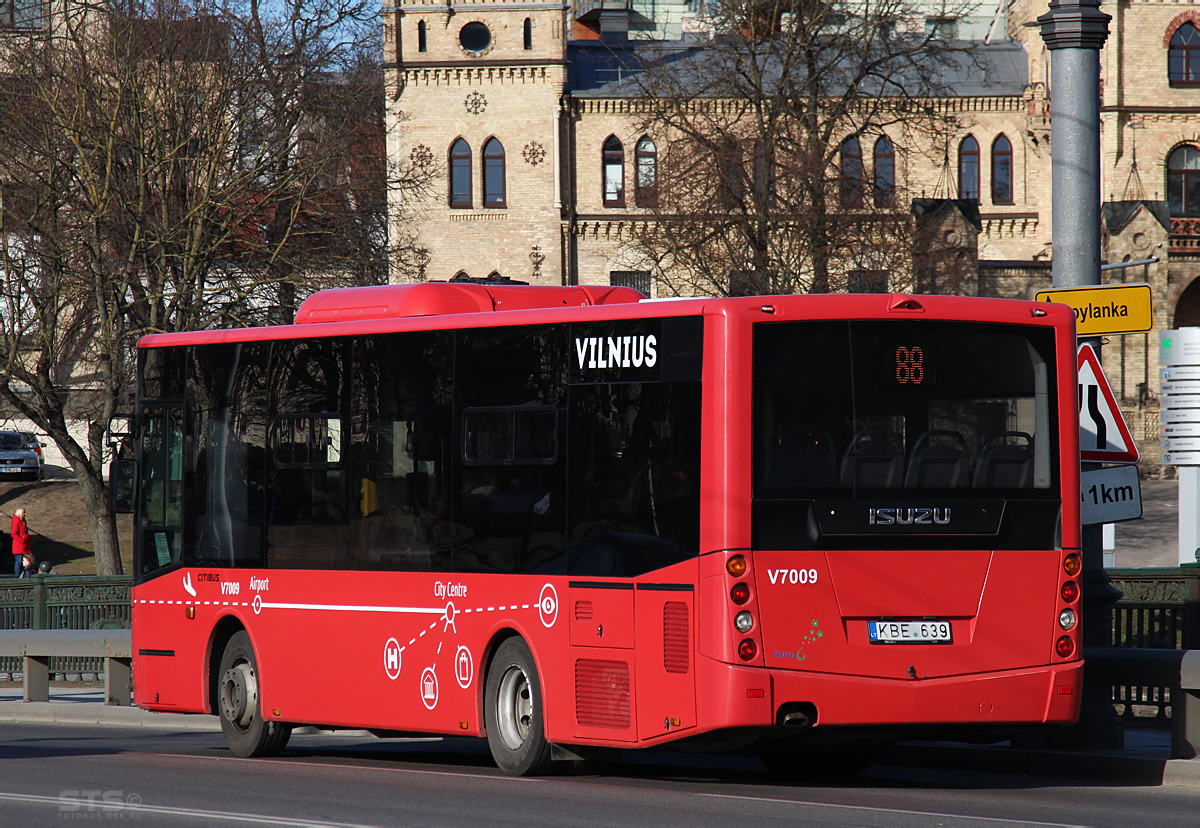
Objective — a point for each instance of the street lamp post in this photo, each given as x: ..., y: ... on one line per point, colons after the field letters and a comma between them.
x: 1074, y: 32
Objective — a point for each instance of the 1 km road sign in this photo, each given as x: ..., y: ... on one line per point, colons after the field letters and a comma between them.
x: 1106, y: 309
x: 1111, y: 494
x: 1103, y: 434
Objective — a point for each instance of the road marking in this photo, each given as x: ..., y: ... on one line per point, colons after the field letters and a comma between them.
x: 96, y: 806
x: 870, y: 809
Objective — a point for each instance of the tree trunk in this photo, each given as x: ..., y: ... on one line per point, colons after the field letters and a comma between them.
x: 103, y: 522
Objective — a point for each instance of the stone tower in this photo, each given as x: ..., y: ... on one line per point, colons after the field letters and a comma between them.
x: 474, y: 98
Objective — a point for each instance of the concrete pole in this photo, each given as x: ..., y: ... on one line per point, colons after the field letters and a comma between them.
x: 1074, y: 32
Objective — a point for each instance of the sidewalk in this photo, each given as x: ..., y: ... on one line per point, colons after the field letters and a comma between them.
x: 1145, y: 759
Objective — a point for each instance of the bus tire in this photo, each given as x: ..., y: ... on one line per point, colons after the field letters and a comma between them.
x: 238, y: 704
x: 513, y: 712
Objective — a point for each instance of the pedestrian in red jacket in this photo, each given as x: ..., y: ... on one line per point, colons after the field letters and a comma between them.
x: 20, y: 542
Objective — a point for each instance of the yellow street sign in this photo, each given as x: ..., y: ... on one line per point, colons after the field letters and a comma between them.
x: 1106, y: 309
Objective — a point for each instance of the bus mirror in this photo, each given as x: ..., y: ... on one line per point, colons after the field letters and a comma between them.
x: 120, y: 428
x: 121, y: 475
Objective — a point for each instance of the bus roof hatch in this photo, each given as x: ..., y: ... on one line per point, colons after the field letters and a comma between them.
x: 439, y: 298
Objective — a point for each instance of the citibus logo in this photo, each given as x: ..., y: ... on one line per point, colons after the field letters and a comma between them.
x: 921, y: 515
x: 616, y: 351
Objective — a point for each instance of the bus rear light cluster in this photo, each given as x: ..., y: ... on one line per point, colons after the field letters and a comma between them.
x: 743, y: 621
x: 1065, y: 647
x: 1066, y: 619
x: 1070, y: 592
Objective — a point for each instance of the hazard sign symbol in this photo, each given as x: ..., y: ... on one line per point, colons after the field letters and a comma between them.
x: 1103, y: 435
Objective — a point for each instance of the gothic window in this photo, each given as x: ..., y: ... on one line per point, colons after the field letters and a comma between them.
x: 421, y: 36
x: 1183, y: 59
x: 614, y: 172
x: 528, y: 34
x: 1183, y: 181
x: 851, y: 179
x: 646, y: 170
x: 885, y: 173
x: 493, y: 173
x: 1002, y: 171
x: 460, y: 174
x: 968, y: 168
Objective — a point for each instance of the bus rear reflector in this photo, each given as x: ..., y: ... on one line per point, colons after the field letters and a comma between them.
x: 755, y: 694
x: 1065, y: 690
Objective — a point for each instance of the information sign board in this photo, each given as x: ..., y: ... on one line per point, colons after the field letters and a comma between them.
x: 1106, y: 309
x: 1179, y: 396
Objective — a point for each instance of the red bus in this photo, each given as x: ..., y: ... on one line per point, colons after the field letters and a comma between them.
x: 569, y: 518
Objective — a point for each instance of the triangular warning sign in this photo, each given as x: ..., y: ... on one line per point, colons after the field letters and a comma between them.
x: 1103, y: 434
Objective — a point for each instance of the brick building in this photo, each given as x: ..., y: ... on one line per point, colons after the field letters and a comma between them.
x: 520, y: 111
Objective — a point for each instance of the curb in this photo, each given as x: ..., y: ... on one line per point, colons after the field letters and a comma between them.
x: 93, y: 713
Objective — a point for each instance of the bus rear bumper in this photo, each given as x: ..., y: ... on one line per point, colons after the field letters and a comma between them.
x: 1037, y: 695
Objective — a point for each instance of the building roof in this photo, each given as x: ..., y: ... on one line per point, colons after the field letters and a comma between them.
x: 599, y: 69
x: 1118, y: 213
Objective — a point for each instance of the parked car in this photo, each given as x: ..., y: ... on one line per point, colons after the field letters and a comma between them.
x: 17, y: 458
x: 37, y: 445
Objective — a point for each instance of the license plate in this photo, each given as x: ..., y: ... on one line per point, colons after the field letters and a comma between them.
x: 909, y: 632
x: 12, y: 469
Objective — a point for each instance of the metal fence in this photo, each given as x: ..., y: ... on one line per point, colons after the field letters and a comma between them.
x: 1158, y: 609
x: 52, y: 602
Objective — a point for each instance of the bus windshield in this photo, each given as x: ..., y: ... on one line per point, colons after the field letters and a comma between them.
x: 859, y: 408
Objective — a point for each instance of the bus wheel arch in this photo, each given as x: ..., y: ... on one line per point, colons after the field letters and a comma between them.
x: 514, y: 711
x: 239, y: 703
x: 224, y: 630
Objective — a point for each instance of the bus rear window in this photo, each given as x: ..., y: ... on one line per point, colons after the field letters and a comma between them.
x: 842, y: 407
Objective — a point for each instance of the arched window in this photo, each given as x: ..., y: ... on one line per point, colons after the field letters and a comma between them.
x: 460, y: 174
x: 885, y: 173
x: 421, y: 36
x: 614, y: 172
x: 851, y: 178
x: 968, y: 168
x: 1183, y: 58
x: 1183, y: 181
x: 528, y: 34
x: 646, y: 171
x: 493, y: 173
x: 1002, y: 171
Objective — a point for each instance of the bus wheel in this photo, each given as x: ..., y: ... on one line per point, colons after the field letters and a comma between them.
x: 512, y: 711
x: 242, y: 724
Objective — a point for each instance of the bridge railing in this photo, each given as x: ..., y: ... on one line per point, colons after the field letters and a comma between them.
x: 1159, y: 609
x: 111, y: 649
x: 56, y: 602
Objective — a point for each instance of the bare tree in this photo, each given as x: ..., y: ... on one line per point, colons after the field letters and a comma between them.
x: 163, y: 170
x: 760, y: 133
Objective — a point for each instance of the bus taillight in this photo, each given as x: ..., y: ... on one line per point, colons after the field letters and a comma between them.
x: 740, y: 593
x: 1066, y: 619
x: 1070, y: 592
x: 748, y: 649
x: 1072, y: 564
x: 1065, y: 647
x: 736, y: 566
x: 744, y: 622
